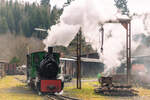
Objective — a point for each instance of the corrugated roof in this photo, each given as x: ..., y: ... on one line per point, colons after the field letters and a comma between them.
x: 82, y: 59
x: 3, y: 61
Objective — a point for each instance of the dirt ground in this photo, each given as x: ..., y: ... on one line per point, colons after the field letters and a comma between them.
x: 15, y: 88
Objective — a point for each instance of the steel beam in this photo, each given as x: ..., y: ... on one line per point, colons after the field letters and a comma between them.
x: 127, y: 26
x: 126, y: 23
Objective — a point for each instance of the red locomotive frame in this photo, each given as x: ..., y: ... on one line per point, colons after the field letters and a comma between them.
x: 51, y: 86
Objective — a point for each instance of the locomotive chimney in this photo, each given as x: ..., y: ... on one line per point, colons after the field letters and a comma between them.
x: 50, y: 50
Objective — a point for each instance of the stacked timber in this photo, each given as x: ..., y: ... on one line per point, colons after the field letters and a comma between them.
x: 110, y: 89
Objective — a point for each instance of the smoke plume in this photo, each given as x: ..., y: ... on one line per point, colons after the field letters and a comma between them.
x: 87, y: 14
x: 80, y: 13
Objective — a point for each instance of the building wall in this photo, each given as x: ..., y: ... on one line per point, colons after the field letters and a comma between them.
x: 11, y: 69
x: 88, y: 69
x: 2, y: 70
x: 91, y: 55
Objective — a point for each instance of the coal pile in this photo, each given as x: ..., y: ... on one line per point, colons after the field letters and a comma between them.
x: 110, y: 89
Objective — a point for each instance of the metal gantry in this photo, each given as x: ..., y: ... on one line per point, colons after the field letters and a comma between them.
x: 128, y: 51
x: 126, y: 23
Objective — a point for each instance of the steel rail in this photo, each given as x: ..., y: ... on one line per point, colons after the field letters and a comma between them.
x: 60, y: 97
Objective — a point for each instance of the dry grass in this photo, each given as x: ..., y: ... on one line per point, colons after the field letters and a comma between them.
x: 9, y: 81
x: 20, y: 96
x: 22, y: 92
x: 12, y: 89
x: 144, y: 92
x: 87, y: 92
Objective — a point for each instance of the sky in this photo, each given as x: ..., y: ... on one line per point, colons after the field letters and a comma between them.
x: 139, y: 6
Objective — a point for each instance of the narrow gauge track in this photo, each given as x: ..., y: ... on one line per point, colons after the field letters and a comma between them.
x: 59, y: 97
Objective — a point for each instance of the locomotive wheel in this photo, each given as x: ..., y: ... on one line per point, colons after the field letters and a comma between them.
x: 38, y: 89
x: 62, y: 85
x: 39, y: 92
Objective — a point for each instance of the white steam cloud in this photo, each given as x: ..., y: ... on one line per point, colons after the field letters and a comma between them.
x: 87, y: 14
x: 57, y: 3
x: 80, y: 13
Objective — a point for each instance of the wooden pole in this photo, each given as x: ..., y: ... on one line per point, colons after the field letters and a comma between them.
x: 79, y: 59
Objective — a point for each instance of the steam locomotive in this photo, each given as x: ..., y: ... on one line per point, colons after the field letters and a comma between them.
x: 42, y: 71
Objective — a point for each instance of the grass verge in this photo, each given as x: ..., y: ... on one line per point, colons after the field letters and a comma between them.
x: 87, y: 92
x: 12, y: 89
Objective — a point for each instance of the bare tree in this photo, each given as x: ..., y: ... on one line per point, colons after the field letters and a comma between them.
x: 18, y: 46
